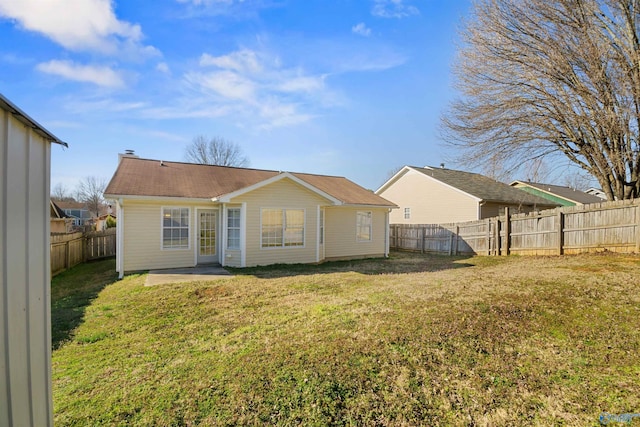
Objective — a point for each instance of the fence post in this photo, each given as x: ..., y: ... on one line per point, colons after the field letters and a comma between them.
x: 560, y: 222
x: 507, y: 230
x: 638, y: 228
x: 67, y: 255
x: 457, y: 237
x: 451, y: 243
x: 488, y: 236
x: 422, y: 239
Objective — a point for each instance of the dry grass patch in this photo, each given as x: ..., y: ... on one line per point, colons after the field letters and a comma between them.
x: 413, y: 340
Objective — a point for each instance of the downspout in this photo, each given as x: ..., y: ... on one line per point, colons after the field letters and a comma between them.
x: 386, y: 234
x: 120, y: 239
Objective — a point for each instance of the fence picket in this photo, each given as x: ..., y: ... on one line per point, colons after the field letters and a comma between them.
x: 70, y: 249
x: 612, y: 226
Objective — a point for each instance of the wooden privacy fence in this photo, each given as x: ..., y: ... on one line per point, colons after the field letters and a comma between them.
x: 70, y: 249
x: 611, y: 226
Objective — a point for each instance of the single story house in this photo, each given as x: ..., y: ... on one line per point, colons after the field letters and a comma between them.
x: 173, y: 214
x: 565, y: 196
x: 432, y: 195
x: 25, y: 279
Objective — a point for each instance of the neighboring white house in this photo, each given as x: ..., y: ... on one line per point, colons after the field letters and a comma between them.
x: 597, y: 192
x: 173, y: 214
x: 431, y: 195
x: 25, y: 313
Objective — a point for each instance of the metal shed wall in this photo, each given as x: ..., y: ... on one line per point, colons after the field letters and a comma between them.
x: 25, y: 319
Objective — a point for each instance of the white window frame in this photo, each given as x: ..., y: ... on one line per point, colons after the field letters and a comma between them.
x: 162, y: 228
x: 321, y: 226
x: 284, y: 227
x: 229, y: 228
x: 407, y: 213
x: 369, y: 215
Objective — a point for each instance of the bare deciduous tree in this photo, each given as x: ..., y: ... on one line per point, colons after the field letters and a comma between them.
x: 90, y: 191
x: 536, y: 170
x: 59, y: 192
x: 542, y: 77
x: 215, y: 151
x: 578, y: 181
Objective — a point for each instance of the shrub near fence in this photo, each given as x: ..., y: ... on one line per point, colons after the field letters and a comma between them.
x: 70, y: 249
x: 611, y: 226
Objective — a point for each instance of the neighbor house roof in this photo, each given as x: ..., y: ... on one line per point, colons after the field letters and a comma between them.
x: 56, y: 211
x: 482, y: 187
x: 23, y: 117
x: 566, y: 193
x: 155, y: 178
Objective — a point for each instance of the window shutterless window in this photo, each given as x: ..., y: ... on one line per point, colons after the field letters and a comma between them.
x: 175, y: 228
x: 407, y: 213
x: 282, y: 227
x: 233, y: 228
x: 363, y: 226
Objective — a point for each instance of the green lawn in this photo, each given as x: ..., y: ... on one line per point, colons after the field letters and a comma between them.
x: 412, y: 340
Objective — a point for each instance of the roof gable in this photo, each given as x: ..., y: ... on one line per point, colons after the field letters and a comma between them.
x: 144, y: 178
x: 227, y: 197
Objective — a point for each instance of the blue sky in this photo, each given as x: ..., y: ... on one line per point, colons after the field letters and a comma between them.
x: 342, y: 87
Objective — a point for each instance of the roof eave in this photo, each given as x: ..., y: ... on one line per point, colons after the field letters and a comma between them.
x: 27, y: 120
x: 158, y: 198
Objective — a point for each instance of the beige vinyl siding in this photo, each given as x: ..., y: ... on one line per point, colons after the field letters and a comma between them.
x: 143, y: 236
x: 431, y: 201
x: 282, y: 194
x: 25, y: 325
x: 340, y: 233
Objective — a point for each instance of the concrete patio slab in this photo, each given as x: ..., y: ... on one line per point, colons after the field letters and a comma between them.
x: 192, y: 274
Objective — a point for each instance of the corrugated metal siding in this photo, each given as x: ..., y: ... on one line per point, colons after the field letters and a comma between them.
x: 142, y: 237
x: 431, y: 202
x: 25, y: 352
x: 287, y: 195
x: 340, y: 233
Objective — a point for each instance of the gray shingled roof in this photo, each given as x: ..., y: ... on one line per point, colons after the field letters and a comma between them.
x: 565, y: 192
x: 483, y: 187
x: 146, y: 177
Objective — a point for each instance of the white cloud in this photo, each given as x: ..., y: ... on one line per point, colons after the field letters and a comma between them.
x: 393, y: 9
x: 254, y: 83
x: 243, y: 61
x: 306, y: 84
x: 227, y: 84
x: 163, y: 68
x: 79, y: 25
x: 361, y: 29
x: 98, y: 75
